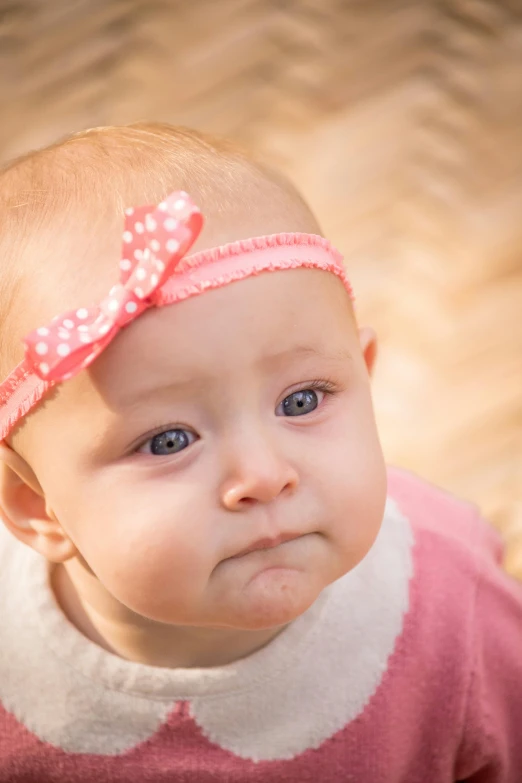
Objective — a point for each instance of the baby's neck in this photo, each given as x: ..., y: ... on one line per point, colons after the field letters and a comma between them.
x: 138, y: 639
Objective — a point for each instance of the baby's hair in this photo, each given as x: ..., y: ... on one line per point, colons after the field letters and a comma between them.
x: 79, y: 187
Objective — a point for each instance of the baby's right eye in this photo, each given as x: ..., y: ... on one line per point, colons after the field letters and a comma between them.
x: 168, y: 442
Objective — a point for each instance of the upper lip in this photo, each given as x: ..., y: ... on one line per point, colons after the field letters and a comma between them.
x: 268, y: 542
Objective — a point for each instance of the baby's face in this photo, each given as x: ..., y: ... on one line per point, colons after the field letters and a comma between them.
x: 219, y: 464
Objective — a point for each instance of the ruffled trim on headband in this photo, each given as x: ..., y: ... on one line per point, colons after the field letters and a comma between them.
x: 246, y: 246
x: 29, y: 390
x: 180, y: 293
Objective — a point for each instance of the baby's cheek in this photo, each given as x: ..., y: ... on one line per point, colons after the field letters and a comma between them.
x: 145, y: 558
x: 356, y: 505
x: 153, y: 570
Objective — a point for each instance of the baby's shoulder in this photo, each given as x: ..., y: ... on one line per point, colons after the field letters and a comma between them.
x: 459, y: 596
x: 462, y: 630
x: 458, y: 590
x: 444, y: 525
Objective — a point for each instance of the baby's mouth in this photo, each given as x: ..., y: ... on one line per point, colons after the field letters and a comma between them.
x: 266, y: 543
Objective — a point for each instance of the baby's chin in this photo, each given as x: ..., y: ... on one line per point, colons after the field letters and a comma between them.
x: 272, y: 598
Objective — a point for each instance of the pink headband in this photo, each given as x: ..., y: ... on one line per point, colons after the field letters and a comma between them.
x: 154, y: 271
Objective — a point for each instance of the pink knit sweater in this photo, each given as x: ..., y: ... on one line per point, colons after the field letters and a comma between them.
x: 406, y: 670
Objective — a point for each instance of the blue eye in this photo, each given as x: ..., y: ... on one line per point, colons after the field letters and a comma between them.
x: 168, y: 442
x: 300, y: 402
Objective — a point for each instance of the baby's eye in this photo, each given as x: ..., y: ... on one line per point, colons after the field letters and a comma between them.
x: 299, y: 402
x: 168, y: 442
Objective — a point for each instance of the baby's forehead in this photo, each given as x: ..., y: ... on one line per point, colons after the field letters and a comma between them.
x: 280, y: 313
x: 258, y: 333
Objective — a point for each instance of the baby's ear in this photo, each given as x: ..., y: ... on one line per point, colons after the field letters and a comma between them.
x: 24, y: 510
x: 368, y: 343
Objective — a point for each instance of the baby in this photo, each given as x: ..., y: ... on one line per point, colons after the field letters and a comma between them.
x: 207, y: 572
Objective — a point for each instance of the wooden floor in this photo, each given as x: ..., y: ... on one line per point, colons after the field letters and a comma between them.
x: 401, y: 122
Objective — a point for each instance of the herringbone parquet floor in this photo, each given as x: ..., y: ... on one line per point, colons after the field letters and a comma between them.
x: 401, y: 120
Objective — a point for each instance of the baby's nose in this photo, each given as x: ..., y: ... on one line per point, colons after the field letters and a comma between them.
x: 257, y: 477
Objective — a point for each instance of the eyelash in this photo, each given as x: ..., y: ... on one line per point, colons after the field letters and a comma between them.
x: 327, y: 387
x: 321, y: 384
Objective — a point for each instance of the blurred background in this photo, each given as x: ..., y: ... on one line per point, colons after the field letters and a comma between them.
x: 401, y: 122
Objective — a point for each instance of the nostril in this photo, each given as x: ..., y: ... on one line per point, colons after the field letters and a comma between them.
x: 247, y: 501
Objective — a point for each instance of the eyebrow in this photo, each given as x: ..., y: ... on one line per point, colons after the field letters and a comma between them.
x: 140, y: 395
x: 306, y: 351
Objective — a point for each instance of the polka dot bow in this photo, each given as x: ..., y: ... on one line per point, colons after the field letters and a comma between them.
x: 155, y: 239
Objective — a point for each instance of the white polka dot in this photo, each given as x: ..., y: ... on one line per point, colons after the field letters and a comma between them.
x: 41, y: 348
x: 44, y: 368
x: 104, y: 328
x: 82, y: 313
x: 127, y: 236
x: 84, y: 338
x: 43, y: 331
x: 141, y: 274
x: 154, y: 279
x: 113, y: 305
x: 180, y: 203
x: 63, y: 349
x: 150, y: 223
x: 138, y: 291
x: 125, y: 264
x: 170, y: 223
x: 160, y: 266
x: 155, y: 245
x: 83, y: 328
x: 139, y: 227
x: 63, y: 334
x: 163, y: 206
x: 129, y: 211
x: 131, y: 307
x: 138, y: 254
x: 68, y: 323
x: 172, y: 245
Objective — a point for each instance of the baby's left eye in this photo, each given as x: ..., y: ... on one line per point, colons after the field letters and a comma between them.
x: 299, y: 403
x: 168, y: 442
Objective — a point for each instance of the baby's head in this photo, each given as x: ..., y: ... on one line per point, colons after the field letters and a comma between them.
x: 218, y: 464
